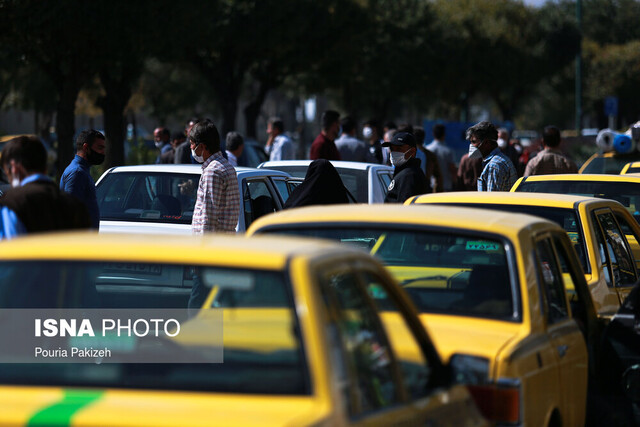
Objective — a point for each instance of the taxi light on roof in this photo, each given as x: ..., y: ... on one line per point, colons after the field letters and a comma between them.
x: 497, y: 403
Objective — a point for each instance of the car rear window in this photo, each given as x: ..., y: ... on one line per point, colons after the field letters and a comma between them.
x: 443, y: 272
x: 627, y: 193
x: 147, y: 197
x: 261, y: 343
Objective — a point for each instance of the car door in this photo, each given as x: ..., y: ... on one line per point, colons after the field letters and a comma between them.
x: 619, y: 254
x: 563, y: 331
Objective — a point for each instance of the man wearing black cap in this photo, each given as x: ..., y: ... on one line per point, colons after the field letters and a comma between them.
x: 408, y: 178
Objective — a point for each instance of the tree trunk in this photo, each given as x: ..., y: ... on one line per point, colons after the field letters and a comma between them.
x: 65, y: 123
x: 252, y: 111
x: 113, y: 104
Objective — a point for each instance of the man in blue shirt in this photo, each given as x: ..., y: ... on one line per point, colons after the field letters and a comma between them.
x: 498, y: 172
x: 77, y: 180
x: 34, y: 204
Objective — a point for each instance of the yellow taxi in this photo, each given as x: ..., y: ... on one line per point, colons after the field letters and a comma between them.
x: 623, y: 188
x: 610, y: 162
x: 491, y: 291
x: 297, y: 340
x: 631, y: 167
x: 604, y: 235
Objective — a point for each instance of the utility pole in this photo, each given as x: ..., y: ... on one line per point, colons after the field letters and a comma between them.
x: 579, y: 70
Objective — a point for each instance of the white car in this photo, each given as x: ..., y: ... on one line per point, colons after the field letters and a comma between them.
x: 367, y: 182
x: 156, y: 199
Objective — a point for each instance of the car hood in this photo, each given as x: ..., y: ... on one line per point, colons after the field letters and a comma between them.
x: 469, y: 335
x: 48, y: 406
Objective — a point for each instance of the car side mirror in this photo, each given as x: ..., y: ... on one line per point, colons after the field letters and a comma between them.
x: 631, y: 383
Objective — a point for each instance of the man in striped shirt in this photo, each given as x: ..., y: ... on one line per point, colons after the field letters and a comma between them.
x: 498, y: 172
x: 217, y: 205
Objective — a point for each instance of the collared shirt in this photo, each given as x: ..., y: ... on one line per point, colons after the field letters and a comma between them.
x: 10, y: 224
x: 324, y: 148
x: 498, y: 172
x: 77, y: 180
x: 233, y: 160
x: 217, y: 205
x: 280, y: 149
x: 446, y: 159
x: 352, y: 149
x: 550, y: 161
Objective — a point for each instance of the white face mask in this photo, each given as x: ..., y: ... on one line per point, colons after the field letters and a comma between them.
x: 15, y: 182
x: 398, y: 158
x: 159, y: 144
x: 474, y: 153
x: 197, y: 158
x: 367, y: 132
x: 502, y: 143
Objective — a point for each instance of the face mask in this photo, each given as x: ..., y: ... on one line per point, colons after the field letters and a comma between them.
x: 197, y: 158
x: 15, y: 182
x: 95, y: 158
x: 474, y: 153
x: 397, y: 158
x: 159, y: 144
x: 502, y: 143
x: 367, y: 132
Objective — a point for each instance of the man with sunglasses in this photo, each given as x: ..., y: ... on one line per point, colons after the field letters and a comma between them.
x: 498, y: 171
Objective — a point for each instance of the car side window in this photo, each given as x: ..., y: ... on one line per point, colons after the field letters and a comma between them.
x: 622, y: 263
x: 632, y: 238
x: 258, y: 200
x: 551, y: 283
x: 386, y: 179
x: 604, y: 258
x: 364, y: 344
x: 414, y: 366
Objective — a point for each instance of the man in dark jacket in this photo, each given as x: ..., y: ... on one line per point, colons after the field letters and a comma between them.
x: 408, y: 178
x: 35, y: 204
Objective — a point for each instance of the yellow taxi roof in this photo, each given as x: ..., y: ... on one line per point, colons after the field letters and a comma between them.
x: 506, y: 198
x: 267, y: 252
x: 435, y: 215
x: 584, y: 177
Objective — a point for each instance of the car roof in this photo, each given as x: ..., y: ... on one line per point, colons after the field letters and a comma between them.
x: 454, y: 217
x: 583, y: 177
x: 263, y: 252
x: 508, y: 198
x: 192, y: 169
x: 335, y: 163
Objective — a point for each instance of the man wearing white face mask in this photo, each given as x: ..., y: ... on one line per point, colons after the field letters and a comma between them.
x: 161, y: 137
x: 217, y: 205
x: 498, y: 171
x: 408, y: 178
x: 35, y: 203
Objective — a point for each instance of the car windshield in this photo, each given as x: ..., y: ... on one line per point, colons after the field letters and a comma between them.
x: 147, y: 197
x: 609, y: 165
x: 565, y: 218
x: 443, y: 272
x: 353, y: 179
x: 261, y: 343
x: 627, y: 193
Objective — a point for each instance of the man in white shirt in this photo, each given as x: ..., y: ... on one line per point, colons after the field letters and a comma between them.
x: 279, y: 146
x: 351, y: 148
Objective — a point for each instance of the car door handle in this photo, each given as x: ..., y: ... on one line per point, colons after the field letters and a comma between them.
x: 562, y: 350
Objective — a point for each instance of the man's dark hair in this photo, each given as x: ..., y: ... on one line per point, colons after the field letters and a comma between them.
x: 234, y: 140
x: 88, y: 137
x: 178, y: 136
x: 27, y: 151
x: 483, y: 131
x: 205, y: 132
x: 165, y: 132
x: 551, y: 136
x: 348, y: 124
x: 419, y: 134
x: 329, y: 117
x: 439, y: 131
x: 276, y: 122
x: 405, y: 127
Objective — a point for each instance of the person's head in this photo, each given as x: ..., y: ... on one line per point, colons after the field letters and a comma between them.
x: 23, y: 156
x: 388, y: 136
x: 348, y: 125
x: 551, y: 137
x: 204, y: 140
x: 402, y: 146
x: 161, y: 136
x: 405, y: 127
x: 503, y: 137
x: 90, y: 145
x: 389, y: 125
x: 187, y: 127
x: 370, y: 130
x: 275, y: 126
x: 419, y: 134
x: 483, y: 138
x: 177, y: 138
x: 438, y: 131
x: 331, y: 124
x: 235, y: 143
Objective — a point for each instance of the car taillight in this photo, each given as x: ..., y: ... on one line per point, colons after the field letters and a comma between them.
x: 498, y: 402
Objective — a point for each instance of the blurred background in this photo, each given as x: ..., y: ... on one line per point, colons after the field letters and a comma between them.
x: 126, y: 67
